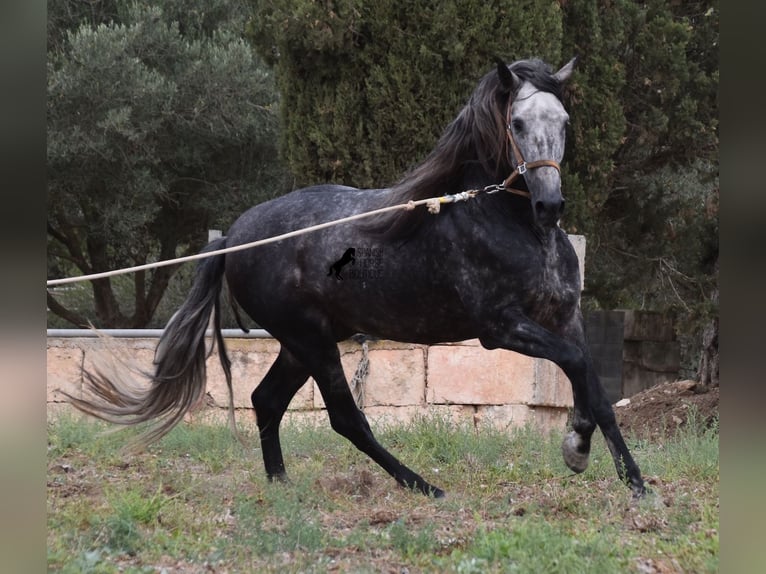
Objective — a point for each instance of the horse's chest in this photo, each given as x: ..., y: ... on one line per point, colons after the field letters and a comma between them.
x: 557, y: 291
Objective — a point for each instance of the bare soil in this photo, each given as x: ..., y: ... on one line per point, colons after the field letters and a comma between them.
x: 660, y: 411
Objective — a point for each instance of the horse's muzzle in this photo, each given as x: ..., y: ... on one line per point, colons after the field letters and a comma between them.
x: 548, y: 212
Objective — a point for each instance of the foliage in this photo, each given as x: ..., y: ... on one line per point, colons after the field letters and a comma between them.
x: 593, y: 32
x: 367, y: 87
x: 161, y: 123
x: 653, y: 231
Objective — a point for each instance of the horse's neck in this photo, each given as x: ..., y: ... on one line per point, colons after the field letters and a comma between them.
x: 476, y: 177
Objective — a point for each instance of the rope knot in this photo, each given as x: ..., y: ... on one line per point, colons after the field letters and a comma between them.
x: 434, y: 205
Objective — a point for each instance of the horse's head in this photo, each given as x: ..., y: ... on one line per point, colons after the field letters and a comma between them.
x: 537, y: 130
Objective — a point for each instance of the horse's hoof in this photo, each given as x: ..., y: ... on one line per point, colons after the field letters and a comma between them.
x: 577, y: 461
x: 640, y: 492
x: 278, y: 478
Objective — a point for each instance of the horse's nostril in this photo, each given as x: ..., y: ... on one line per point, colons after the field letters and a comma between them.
x: 548, y: 212
x: 547, y: 207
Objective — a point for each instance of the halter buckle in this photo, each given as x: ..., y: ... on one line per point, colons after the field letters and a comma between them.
x: 522, y: 168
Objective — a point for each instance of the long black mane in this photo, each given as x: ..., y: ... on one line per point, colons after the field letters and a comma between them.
x: 475, y: 137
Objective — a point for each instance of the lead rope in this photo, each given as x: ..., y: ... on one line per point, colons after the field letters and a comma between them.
x: 433, y: 204
x: 359, y: 379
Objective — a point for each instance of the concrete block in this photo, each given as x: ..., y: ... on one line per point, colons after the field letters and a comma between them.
x: 635, y: 379
x: 64, y: 372
x: 607, y: 358
x: 546, y: 419
x: 212, y: 415
x: 648, y: 326
x: 551, y: 387
x: 56, y: 410
x: 604, y: 327
x: 612, y: 387
x: 396, y: 378
x: 381, y: 416
x: 250, y: 361
x: 579, y: 244
x: 661, y: 356
x: 457, y: 414
x: 124, y: 365
x: 473, y: 375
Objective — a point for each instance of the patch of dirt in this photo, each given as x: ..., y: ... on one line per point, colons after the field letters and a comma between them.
x: 661, y: 410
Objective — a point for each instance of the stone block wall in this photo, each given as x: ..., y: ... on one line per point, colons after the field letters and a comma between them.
x: 632, y: 350
x: 459, y: 380
x: 651, y: 354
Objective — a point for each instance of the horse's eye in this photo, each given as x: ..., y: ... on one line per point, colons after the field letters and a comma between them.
x: 518, y: 126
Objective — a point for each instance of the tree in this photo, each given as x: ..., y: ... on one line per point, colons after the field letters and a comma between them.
x: 161, y: 124
x: 368, y: 87
x: 594, y: 31
x: 653, y: 234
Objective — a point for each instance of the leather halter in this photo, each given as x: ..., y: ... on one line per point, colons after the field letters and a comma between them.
x: 518, y: 160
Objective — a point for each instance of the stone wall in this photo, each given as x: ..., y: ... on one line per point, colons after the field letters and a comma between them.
x: 651, y: 354
x: 632, y: 350
x: 459, y: 380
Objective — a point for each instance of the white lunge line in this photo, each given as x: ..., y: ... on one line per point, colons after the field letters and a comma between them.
x: 408, y: 206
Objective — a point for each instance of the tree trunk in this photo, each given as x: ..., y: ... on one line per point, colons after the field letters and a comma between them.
x: 707, y: 373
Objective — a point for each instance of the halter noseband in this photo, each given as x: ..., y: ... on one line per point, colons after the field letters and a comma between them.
x: 518, y: 159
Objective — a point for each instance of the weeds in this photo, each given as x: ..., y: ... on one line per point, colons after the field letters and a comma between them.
x: 197, y: 501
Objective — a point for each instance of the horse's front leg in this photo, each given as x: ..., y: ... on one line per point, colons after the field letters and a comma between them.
x: 517, y: 332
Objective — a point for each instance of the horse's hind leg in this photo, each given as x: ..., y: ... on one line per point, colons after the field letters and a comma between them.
x: 270, y: 400
x: 320, y: 354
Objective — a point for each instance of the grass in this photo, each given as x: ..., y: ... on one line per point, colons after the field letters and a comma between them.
x: 198, y: 501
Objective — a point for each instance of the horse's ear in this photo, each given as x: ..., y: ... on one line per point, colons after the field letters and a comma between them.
x: 508, y: 79
x: 566, y: 71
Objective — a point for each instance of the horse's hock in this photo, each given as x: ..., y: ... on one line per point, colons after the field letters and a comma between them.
x: 460, y: 380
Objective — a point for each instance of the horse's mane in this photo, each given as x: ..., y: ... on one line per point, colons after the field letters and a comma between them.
x: 475, y: 136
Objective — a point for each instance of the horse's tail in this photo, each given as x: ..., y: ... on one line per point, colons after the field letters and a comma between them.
x: 179, y: 377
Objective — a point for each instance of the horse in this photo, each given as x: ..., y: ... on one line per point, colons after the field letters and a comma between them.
x: 497, y: 268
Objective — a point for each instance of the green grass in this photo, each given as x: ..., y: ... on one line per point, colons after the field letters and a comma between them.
x: 198, y: 501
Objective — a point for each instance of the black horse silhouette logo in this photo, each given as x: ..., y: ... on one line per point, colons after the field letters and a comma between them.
x: 348, y: 257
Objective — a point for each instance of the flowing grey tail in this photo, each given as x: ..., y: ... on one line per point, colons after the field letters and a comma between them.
x: 179, y: 378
